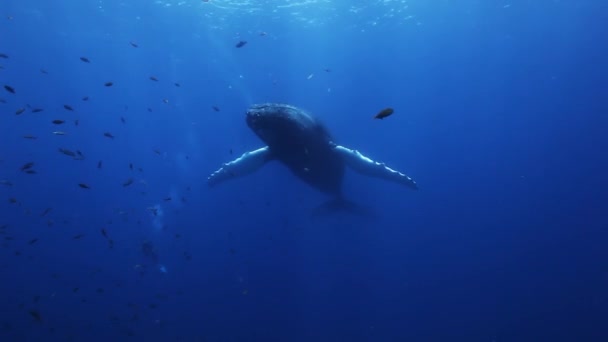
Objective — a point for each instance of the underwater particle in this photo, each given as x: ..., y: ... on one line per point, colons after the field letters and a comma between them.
x: 157, y: 151
x: 43, y: 71
x: 152, y: 78
x: 58, y: 122
x: 9, y: 89
x: 100, y: 164
x: 386, y: 112
x: 31, y: 172
x: 241, y: 43
x: 7, y: 183
x: 104, y: 233
x: 84, y: 59
x: 33, y: 241
x: 108, y: 84
x: 59, y: 133
x: 84, y: 185
x: 122, y: 119
x: 68, y: 107
x: 74, y: 290
x: 85, y: 98
x: 20, y: 111
x: 166, y: 100
x: 45, y: 212
x: 108, y: 135
x: 327, y: 70
x: 31, y: 137
x: 127, y: 182
x: 263, y: 34
x: 167, y: 199
x: 133, y: 44
x: 131, y: 166
x: 76, y: 122
x: 78, y: 236
x: 215, y: 108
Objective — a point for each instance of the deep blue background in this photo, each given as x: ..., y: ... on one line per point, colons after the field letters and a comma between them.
x: 500, y: 116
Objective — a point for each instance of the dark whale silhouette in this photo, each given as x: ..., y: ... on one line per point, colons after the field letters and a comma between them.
x: 299, y: 141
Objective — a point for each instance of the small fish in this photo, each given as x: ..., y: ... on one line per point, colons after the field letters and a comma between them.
x: 3, y: 55
x: 76, y: 122
x: 27, y: 166
x: 77, y: 237
x: 13, y: 200
x: 153, y: 210
x: 2, y: 101
x: 215, y: 108
x: 123, y: 120
x: 6, y: 182
x: 157, y: 151
x: 59, y: 133
x: 167, y: 199
x: 68, y: 107
x: 33, y: 241
x: 84, y: 186
x: 74, y: 290
x: 31, y: 172
x: 20, y: 111
x: 384, y: 113
x: 153, y: 78
x: 131, y: 166
x: 262, y: 34
x: 9, y: 89
x: 165, y: 100
x: 108, y: 135
x: 241, y: 43
x: 36, y: 315
x: 149, y: 109
x: 104, y: 233
x: 108, y: 84
x: 58, y: 122
x: 67, y: 152
x: 177, y: 84
x: 37, y: 110
x: 100, y: 164
x: 327, y: 70
x: 45, y: 212
x: 31, y: 137
x: 86, y: 98
x: 79, y: 156
x: 84, y: 59
x: 44, y: 71
x: 128, y: 182
x: 133, y: 44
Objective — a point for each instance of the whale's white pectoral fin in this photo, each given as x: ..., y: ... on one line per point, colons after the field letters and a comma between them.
x: 364, y: 165
x: 244, y: 165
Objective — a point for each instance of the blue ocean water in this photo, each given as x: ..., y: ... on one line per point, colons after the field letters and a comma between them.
x: 500, y: 116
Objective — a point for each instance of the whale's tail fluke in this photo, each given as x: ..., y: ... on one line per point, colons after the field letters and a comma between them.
x: 342, y: 205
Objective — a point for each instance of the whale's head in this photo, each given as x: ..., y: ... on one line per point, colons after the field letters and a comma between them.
x: 273, y: 122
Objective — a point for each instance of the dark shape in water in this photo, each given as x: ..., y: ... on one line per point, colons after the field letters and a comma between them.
x: 84, y: 59
x: 84, y: 186
x: 108, y: 84
x: 68, y: 107
x: 241, y: 43
x: 386, y: 112
x: 9, y: 89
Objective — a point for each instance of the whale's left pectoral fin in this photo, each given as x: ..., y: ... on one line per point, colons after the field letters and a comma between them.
x: 364, y: 165
x: 244, y: 165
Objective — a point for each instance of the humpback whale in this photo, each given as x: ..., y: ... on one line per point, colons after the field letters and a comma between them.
x: 299, y: 141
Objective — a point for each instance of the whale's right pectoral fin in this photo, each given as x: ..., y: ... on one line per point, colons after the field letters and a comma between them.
x: 244, y: 165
